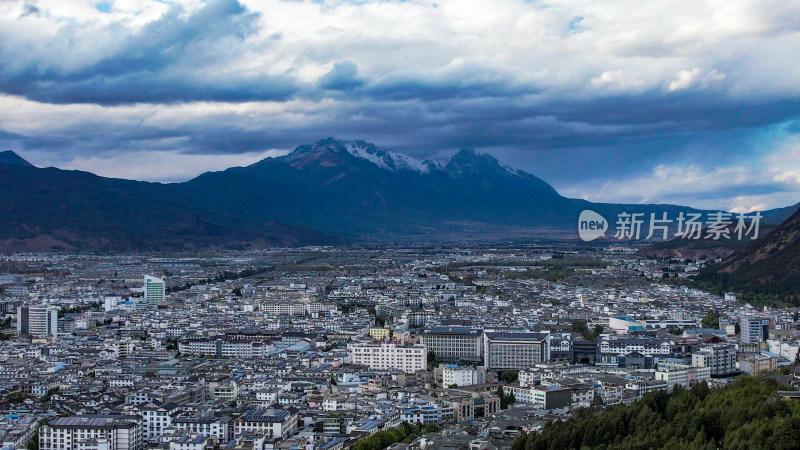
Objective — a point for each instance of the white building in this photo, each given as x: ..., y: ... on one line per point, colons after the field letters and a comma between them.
x: 155, y: 290
x: 514, y: 350
x: 389, y: 356
x: 452, y: 344
x: 685, y: 376
x: 720, y: 358
x: 276, y: 423
x: 225, y: 348
x: 754, y: 329
x: 462, y: 375
x: 205, y: 425
x: 38, y: 321
x: 623, y: 325
x: 155, y: 419
x: 622, y: 346
x: 82, y: 432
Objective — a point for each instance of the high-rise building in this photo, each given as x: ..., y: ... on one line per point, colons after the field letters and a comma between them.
x: 155, y: 290
x: 514, y: 350
x: 38, y: 321
x: 754, y: 329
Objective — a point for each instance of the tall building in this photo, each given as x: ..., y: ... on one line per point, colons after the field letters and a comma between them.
x: 720, y: 358
x: 112, y: 432
x: 514, y: 350
x: 38, y: 321
x: 754, y: 329
x: 453, y: 344
x: 155, y: 290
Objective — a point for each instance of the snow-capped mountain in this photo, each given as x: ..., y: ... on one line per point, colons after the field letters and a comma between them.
x: 380, y: 157
x: 389, y: 160
x: 319, y: 193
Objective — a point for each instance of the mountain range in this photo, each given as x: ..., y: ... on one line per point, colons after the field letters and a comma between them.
x: 329, y: 192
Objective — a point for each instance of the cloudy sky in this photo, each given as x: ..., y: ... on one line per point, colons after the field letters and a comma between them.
x: 690, y: 102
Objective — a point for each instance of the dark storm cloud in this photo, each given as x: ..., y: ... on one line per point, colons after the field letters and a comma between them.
x: 175, y: 58
x: 343, y: 77
x: 566, y: 94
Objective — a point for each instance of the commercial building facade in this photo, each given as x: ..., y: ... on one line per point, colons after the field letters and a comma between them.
x: 514, y: 350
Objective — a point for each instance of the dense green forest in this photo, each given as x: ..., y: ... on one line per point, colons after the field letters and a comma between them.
x: 746, y: 414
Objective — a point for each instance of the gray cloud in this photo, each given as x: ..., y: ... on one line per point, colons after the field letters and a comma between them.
x: 178, y: 57
x: 573, y: 101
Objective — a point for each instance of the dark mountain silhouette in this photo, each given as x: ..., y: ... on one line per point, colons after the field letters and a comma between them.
x: 325, y: 193
x: 10, y: 158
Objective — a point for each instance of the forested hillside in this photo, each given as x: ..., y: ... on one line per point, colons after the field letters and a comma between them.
x: 747, y: 414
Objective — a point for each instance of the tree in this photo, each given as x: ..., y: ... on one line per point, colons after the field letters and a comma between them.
x: 432, y: 359
x: 453, y: 386
x: 797, y: 358
x: 431, y: 428
x: 506, y: 400
x: 597, y: 402
x: 509, y: 375
x: 710, y: 320
x: 16, y: 397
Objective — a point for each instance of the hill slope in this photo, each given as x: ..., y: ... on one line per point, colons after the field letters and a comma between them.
x: 745, y: 414
x: 769, y: 266
x: 52, y: 210
x: 12, y: 159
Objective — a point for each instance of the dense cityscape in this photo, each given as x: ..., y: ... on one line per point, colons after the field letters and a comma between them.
x: 399, y: 225
x: 333, y: 348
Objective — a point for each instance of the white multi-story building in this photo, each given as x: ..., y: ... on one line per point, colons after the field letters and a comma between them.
x: 451, y: 344
x: 276, y: 423
x: 720, y: 358
x: 205, y: 425
x: 155, y: 290
x: 622, y: 346
x: 754, y: 329
x: 114, y: 432
x: 155, y: 419
x: 225, y: 348
x: 409, y: 359
x: 283, y: 309
x: 514, y: 350
x: 462, y: 375
x: 38, y: 321
x: 685, y: 376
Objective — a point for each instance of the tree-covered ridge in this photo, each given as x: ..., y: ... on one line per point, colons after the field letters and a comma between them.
x: 765, y: 271
x: 746, y: 414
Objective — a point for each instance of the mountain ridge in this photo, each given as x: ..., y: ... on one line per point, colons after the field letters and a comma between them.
x: 327, y: 192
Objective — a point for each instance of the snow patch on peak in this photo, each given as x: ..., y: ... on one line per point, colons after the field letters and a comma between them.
x: 389, y: 160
